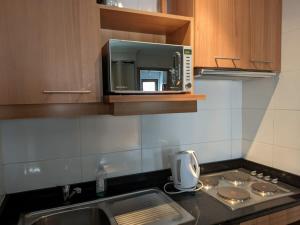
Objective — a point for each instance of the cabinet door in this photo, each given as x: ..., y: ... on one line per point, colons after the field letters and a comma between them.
x: 285, y: 217
x: 49, y: 51
x: 221, y: 28
x: 265, y: 33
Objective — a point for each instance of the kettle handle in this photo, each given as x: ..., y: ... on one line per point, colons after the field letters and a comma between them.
x: 197, y: 163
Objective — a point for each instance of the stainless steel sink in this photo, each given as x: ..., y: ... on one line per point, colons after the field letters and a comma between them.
x: 83, y: 216
x: 143, y: 208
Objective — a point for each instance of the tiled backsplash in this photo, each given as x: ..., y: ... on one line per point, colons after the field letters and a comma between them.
x: 41, y: 153
x: 1, y: 178
x: 271, y: 116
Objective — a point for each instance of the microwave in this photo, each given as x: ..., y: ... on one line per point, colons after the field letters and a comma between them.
x: 132, y: 67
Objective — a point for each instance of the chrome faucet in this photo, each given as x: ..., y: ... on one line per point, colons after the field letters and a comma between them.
x: 67, y: 194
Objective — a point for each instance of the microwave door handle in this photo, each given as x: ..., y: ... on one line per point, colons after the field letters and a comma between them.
x: 179, y: 65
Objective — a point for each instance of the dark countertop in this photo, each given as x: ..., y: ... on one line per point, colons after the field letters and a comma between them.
x: 208, y: 211
x: 203, y: 207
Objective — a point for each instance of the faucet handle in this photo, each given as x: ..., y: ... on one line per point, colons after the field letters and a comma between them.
x: 78, y: 190
x: 66, y: 188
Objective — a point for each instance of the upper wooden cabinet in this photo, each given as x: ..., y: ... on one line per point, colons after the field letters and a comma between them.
x: 219, y: 33
x: 265, y: 34
x: 238, y: 34
x: 49, y: 51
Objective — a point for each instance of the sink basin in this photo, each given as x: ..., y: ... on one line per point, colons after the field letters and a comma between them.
x: 138, y: 208
x: 84, y: 216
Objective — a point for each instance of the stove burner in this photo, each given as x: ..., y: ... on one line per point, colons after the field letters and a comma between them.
x: 209, y: 182
x: 264, y: 189
x: 233, y: 195
x: 237, y: 178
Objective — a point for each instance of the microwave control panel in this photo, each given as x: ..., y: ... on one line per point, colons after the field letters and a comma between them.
x: 187, y: 69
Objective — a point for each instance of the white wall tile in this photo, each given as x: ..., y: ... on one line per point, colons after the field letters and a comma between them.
x: 214, y: 125
x: 2, y: 191
x: 159, y: 158
x: 39, y: 139
x: 286, y: 159
x: 258, y: 152
x: 180, y: 129
x: 258, y: 94
x: 236, y: 94
x: 258, y: 125
x: 169, y: 130
x: 236, y: 149
x: 290, y: 50
x: 286, y: 94
x: 287, y: 128
x: 236, y: 124
x: 291, y: 16
x: 103, y: 134
x: 213, y: 151
x: 115, y: 164
x: 28, y: 176
x: 218, y: 94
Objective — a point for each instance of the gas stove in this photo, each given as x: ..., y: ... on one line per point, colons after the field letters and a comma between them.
x: 241, y: 188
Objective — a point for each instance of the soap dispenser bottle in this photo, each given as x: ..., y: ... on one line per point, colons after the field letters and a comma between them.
x: 100, y: 181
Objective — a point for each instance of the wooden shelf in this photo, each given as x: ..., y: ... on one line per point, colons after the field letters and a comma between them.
x: 123, y: 19
x: 142, y: 108
x: 116, y: 109
x: 54, y: 110
x: 153, y: 98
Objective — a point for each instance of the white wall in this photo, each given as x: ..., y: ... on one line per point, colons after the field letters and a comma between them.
x: 271, y: 116
x: 41, y: 153
x: 1, y: 179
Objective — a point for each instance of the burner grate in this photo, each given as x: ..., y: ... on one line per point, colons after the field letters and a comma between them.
x: 237, y: 177
x: 234, y: 194
x: 264, y: 189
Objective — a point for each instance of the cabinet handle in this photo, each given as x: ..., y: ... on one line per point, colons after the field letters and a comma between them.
x: 227, y: 58
x: 261, y: 61
x: 67, y: 92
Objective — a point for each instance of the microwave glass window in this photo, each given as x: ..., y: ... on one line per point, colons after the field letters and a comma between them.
x: 123, y: 75
x: 159, y: 76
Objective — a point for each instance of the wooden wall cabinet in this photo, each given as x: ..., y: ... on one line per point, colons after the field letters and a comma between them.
x: 49, y: 52
x: 219, y: 33
x: 238, y: 34
x: 265, y: 34
x: 51, y: 56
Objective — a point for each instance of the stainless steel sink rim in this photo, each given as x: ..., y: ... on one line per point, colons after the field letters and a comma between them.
x: 100, y: 204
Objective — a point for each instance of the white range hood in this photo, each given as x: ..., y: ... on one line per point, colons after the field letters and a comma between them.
x: 218, y: 74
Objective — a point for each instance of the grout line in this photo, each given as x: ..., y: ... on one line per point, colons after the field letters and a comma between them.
x: 198, y: 143
x: 80, y: 148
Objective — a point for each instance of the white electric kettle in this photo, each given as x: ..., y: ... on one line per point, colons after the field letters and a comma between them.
x: 185, y: 170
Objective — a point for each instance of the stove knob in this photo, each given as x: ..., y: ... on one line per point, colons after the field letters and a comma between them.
x: 275, y: 181
x: 253, y: 173
x: 267, y: 178
x: 260, y: 175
